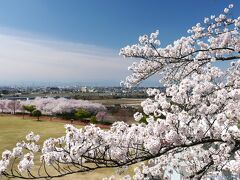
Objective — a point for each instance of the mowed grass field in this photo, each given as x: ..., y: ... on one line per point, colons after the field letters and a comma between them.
x: 14, y: 129
x: 121, y: 101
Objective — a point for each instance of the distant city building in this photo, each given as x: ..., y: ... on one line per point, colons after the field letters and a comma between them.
x: 84, y: 89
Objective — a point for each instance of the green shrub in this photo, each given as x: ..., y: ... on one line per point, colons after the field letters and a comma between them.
x: 82, y: 113
x: 67, y: 115
x: 37, y: 113
x: 29, y: 108
x: 144, y: 119
x: 93, y: 120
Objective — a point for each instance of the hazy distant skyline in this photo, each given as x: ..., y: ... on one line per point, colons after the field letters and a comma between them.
x: 70, y: 41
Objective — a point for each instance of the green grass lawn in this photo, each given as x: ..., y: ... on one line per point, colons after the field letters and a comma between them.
x: 121, y: 101
x: 14, y: 129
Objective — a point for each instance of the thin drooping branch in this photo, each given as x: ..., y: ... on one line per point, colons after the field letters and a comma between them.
x: 216, y: 40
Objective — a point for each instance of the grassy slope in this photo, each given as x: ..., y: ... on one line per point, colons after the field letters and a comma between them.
x: 121, y: 101
x: 14, y: 129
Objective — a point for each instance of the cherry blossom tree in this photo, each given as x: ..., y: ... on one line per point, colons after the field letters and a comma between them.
x: 2, y: 105
x: 101, y: 116
x: 13, y: 106
x: 191, y: 129
x: 50, y: 106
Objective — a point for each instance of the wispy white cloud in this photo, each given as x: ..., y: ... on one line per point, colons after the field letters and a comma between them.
x: 32, y: 58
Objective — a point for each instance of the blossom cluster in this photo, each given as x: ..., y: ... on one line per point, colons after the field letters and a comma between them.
x: 216, y: 39
x: 51, y: 106
x: 26, y: 161
x: 10, y: 106
x: 196, y: 123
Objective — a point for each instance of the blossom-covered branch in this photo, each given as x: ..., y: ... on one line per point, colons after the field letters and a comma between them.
x: 217, y: 39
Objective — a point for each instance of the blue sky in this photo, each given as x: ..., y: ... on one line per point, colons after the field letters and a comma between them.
x: 89, y: 33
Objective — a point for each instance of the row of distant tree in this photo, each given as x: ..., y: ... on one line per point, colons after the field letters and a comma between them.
x: 66, y: 108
